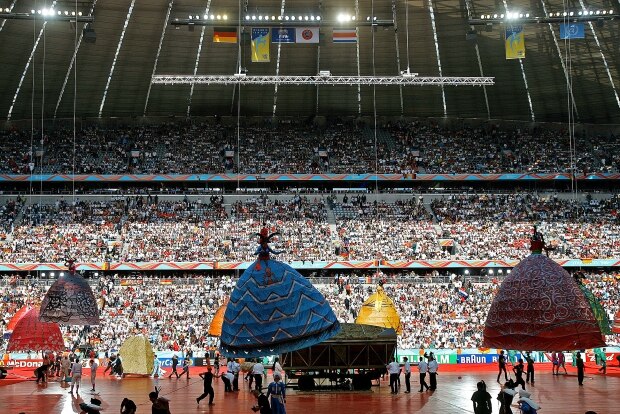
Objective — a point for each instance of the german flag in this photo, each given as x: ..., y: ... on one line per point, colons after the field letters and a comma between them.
x: 225, y: 35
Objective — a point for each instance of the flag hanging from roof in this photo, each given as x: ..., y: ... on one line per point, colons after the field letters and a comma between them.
x: 345, y: 35
x: 572, y: 31
x: 225, y: 35
x: 260, y: 44
x: 283, y: 35
x: 307, y: 34
x: 515, y: 42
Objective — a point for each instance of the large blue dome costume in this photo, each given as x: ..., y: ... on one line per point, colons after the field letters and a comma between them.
x: 273, y: 310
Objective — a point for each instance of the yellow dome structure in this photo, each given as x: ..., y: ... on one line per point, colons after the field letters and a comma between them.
x: 137, y: 355
x: 215, y: 328
x: 379, y: 310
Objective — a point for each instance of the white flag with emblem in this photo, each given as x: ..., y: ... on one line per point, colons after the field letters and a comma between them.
x: 307, y: 34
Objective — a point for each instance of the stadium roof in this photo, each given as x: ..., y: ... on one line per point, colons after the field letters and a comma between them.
x: 127, y: 90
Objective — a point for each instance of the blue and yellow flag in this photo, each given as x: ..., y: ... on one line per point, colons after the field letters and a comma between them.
x: 260, y: 44
x: 515, y: 42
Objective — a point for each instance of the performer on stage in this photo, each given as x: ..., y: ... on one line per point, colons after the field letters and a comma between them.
x: 208, y: 385
x: 501, y: 362
x: 277, y: 391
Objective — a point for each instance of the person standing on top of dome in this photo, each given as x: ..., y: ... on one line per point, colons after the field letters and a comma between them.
x: 263, y: 250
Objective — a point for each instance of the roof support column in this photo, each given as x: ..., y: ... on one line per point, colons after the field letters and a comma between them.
x: 72, y: 63
x: 161, y: 41
x: 21, y: 80
x: 275, y: 89
x: 118, y: 49
x: 202, y: 36
x: 431, y: 11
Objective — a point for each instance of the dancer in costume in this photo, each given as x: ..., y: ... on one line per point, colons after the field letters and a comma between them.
x: 277, y: 391
x: 299, y: 316
x: 264, y: 250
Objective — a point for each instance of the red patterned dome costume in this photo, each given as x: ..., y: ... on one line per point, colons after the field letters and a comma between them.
x: 540, y: 307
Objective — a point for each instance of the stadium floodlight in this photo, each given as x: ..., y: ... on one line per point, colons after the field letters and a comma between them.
x: 318, y: 18
x: 225, y: 17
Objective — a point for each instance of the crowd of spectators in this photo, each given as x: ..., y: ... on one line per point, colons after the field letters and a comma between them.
x: 343, y: 147
x: 459, y: 227
x: 175, y: 312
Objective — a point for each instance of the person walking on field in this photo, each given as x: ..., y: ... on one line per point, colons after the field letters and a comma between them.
x: 530, y: 367
x: 185, y: 371
x: 207, y: 386
x: 501, y: 362
x: 561, y: 362
x: 580, y: 369
x: 76, y: 376
x: 175, y: 363
x: 94, y: 365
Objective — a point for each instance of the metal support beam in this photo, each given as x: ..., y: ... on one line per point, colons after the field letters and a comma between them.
x: 357, y: 51
x: 486, y: 96
x: 323, y: 80
x: 541, y: 20
x: 197, y: 61
x: 72, y: 63
x: 400, y: 88
x: 21, y: 80
x: 118, y: 49
x: 287, y: 23
x: 161, y: 41
x: 50, y: 18
x: 443, y: 92
x: 275, y: 88
x: 10, y: 9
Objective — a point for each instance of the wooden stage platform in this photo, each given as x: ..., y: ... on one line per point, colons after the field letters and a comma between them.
x: 556, y: 394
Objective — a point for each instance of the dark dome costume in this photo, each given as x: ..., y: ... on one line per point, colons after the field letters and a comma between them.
x: 70, y: 301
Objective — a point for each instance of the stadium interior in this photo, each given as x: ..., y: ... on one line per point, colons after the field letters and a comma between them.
x: 393, y: 144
